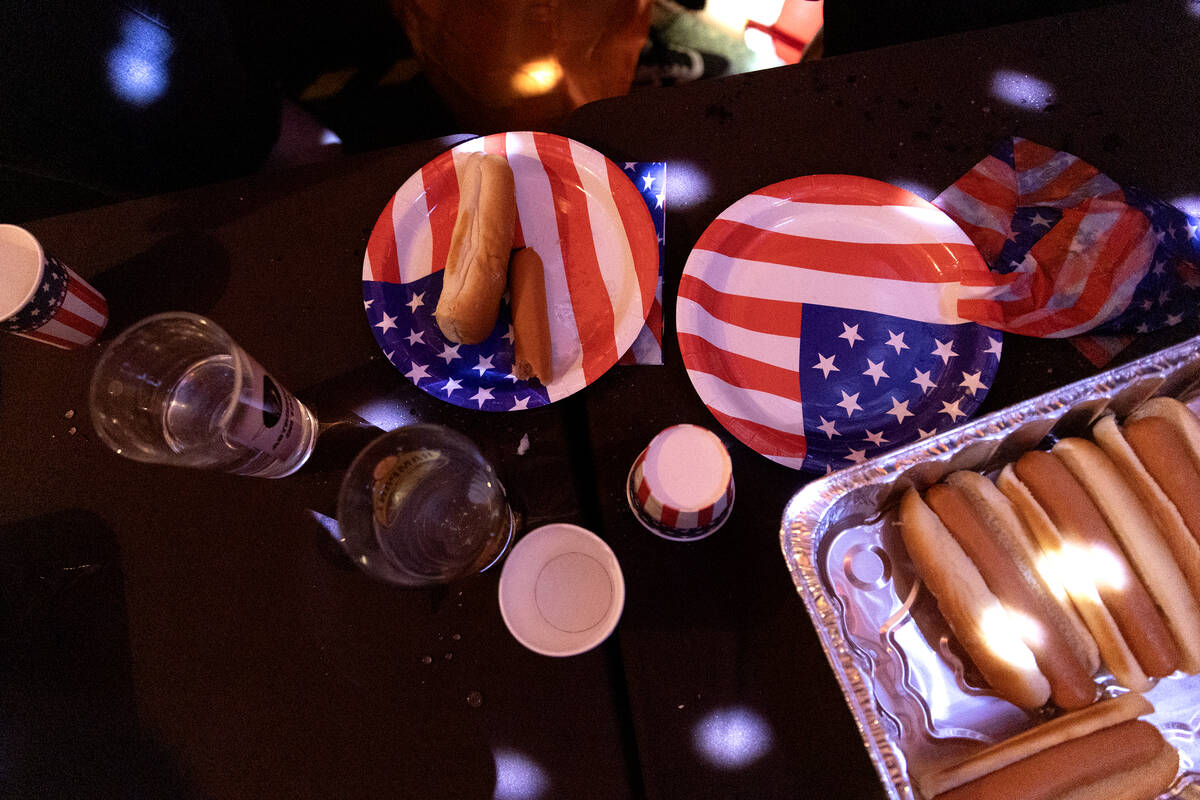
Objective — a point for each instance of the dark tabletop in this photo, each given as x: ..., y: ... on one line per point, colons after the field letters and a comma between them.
x: 182, y: 633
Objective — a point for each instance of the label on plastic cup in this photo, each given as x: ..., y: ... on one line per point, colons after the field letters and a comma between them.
x: 268, y: 421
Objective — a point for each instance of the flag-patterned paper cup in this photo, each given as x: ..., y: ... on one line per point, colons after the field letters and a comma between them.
x: 681, y: 486
x: 43, y: 299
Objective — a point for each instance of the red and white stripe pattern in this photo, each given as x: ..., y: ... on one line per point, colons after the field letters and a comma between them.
x: 679, y: 523
x: 1081, y: 273
x: 832, y: 240
x: 78, y: 321
x: 576, y: 209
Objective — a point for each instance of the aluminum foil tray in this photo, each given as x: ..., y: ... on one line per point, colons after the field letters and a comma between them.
x: 918, y: 706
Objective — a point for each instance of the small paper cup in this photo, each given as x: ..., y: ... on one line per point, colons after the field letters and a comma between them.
x: 43, y: 299
x: 681, y: 486
x: 561, y: 590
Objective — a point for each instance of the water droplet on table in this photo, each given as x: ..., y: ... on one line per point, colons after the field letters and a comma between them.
x: 474, y: 699
x: 72, y: 430
x: 449, y: 656
x: 426, y: 659
x: 456, y: 637
x: 70, y: 413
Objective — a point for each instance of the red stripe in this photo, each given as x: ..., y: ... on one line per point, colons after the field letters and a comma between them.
x: 497, y: 144
x: 585, y: 280
x: 762, y: 438
x: 1029, y: 155
x: 86, y: 294
x: 654, y: 321
x: 381, y: 247
x: 778, y: 317
x: 989, y: 241
x: 925, y: 262
x: 987, y: 189
x: 441, y: 197
x: 1063, y: 185
x: 643, y: 489
x: 1100, y: 349
x: 66, y: 344
x: 738, y: 370
x: 842, y: 190
x: 73, y: 320
x: 669, y: 517
x: 639, y: 231
x: 704, y: 516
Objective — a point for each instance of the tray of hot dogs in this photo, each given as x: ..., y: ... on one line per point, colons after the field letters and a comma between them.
x: 1012, y: 607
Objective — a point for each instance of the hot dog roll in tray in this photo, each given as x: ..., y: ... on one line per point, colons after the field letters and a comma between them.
x: 919, y: 702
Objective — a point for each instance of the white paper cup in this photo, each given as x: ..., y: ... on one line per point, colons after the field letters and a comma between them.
x: 43, y: 299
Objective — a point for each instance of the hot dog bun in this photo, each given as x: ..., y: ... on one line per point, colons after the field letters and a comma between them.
x: 1002, y: 517
x: 1101, y: 715
x: 1133, y: 639
x: 1143, y: 544
x: 531, y: 322
x: 1179, y: 537
x: 1001, y: 560
x: 978, y: 619
x: 477, y: 265
x: 1127, y: 760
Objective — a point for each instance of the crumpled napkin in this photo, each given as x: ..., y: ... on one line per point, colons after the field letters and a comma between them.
x: 1068, y: 250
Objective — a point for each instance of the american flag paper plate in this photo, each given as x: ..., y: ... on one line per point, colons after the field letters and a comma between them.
x: 582, y: 215
x: 817, y: 321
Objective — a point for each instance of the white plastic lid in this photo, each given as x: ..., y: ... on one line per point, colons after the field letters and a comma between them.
x: 561, y: 590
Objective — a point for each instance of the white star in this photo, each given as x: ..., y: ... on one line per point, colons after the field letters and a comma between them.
x: 509, y: 335
x: 857, y: 456
x: 46, y: 286
x: 630, y: 165
x: 1191, y: 229
x: 827, y: 427
x: 1159, y: 267
x: 416, y: 301
x: 923, y: 380
x: 647, y: 182
x: 484, y: 365
x: 971, y: 382
x: 993, y: 347
x: 451, y: 385
x: 1147, y: 305
x: 414, y: 337
x: 850, y: 403
x: 388, y: 355
x: 367, y: 303
x: 896, y: 340
x: 952, y: 410
x: 659, y: 200
x: 387, y: 324
x: 1143, y: 328
x: 850, y: 334
x: 520, y: 405
x: 1038, y: 219
x: 1163, y: 297
x: 876, y: 438
x: 875, y: 371
x: 924, y: 434
x: 512, y: 376
x: 417, y: 372
x: 825, y: 365
x: 900, y: 410
x: 483, y: 394
x: 1174, y: 319
x: 944, y: 350
x: 829, y: 469
x: 449, y: 353
x: 36, y: 312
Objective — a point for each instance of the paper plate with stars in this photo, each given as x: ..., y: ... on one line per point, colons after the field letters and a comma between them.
x: 816, y: 319
x: 598, y: 243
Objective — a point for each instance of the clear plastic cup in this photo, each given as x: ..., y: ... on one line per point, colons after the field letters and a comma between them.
x: 176, y: 389
x: 421, y: 505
